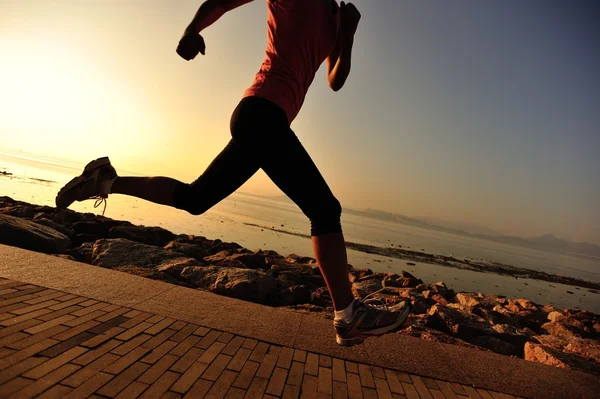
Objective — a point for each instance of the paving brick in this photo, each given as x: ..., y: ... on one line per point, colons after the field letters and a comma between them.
x: 54, y: 363
x: 257, y: 388
x: 201, y: 331
x: 208, y: 339
x: 127, y: 360
x: 354, y: 388
x: 446, y: 389
x: 430, y: 383
x: 199, y: 389
x: 133, y: 391
x: 23, y: 292
x: 66, y: 345
x: 12, y: 338
x: 266, y: 366
x: 23, y: 354
x: 225, y: 337
x: 325, y: 361
x: 112, y: 314
x: 84, y: 319
x: 90, y: 386
x: 90, y: 370
x: 35, y: 307
x: 310, y: 386
x: 185, y: 345
x: 13, y: 306
x: 160, y: 386
x: 221, y: 386
x: 159, y: 352
x: 183, y: 384
x: 277, y: 382
x: 136, y: 320
x: 296, y: 374
x: 13, y: 386
x: 48, y: 324
x: 10, y: 301
x: 239, y: 359
x: 118, y: 384
x: 259, y: 352
x: 90, y: 309
x: 250, y: 343
x: 457, y: 388
x: 158, y: 369
x: 472, y: 392
x: 366, y: 378
x: 184, y: 333
x: 102, y: 338
x: 421, y: 388
x: 178, y: 325
x: 6, y: 352
x: 170, y: 395
x: 235, y: 393
x: 111, y: 308
x: 158, y: 327
x: 108, y: 325
x: 339, y: 371
x: 68, y: 303
x: 19, y: 319
x: 340, y: 390
x: 47, y: 295
x: 18, y: 327
x: 393, y: 382
x: 244, y: 378
x: 211, y: 353
x: 57, y: 313
x: 75, y: 330
x: 133, y: 313
x: 233, y: 346
x: 159, y: 339
x: 133, y: 331
x: 56, y: 392
x: 325, y: 381
x: 383, y: 390
x: 66, y: 297
x: 439, y: 395
x: 404, y: 377
x: 128, y: 346
x: 312, y: 364
x: 216, y: 367
x: 411, y: 392
x: 18, y: 368
x: 187, y: 360
x: 299, y: 355
x: 291, y: 392
x: 94, y: 354
x: 484, y: 394
x: 370, y: 393
x: 285, y: 358
x: 44, y: 383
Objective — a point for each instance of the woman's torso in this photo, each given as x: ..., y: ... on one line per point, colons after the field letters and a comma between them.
x: 301, y: 34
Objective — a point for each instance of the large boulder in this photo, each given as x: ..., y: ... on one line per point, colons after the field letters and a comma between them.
x: 146, y: 235
x: 192, y: 250
x: 245, y: 284
x: 366, y: 285
x: 25, y: 234
x: 553, y: 357
x: 237, y: 258
x: 296, y: 274
x: 115, y: 252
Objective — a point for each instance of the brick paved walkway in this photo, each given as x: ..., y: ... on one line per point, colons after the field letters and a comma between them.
x: 59, y: 345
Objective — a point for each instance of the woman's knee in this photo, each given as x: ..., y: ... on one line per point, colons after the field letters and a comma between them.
x: 326, y: 218
x: 186, y: 199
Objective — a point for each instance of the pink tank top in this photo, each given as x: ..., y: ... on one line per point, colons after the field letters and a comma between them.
x: 301, y: 34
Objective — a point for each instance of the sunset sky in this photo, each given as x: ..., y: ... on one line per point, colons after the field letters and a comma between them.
x: 478, y: 111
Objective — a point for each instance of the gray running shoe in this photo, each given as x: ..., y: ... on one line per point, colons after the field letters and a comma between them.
x: 369, y: 320
x: 89, y: 185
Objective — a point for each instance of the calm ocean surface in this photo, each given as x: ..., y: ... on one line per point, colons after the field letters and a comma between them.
x: 228, y: 221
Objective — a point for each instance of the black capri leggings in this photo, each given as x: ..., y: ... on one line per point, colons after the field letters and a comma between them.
x: 262, y: 138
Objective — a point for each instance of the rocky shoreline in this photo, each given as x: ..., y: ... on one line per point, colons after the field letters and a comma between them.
x: 565, y: 338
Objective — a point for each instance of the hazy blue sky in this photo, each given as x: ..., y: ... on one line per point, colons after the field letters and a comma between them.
x: 480, y: 111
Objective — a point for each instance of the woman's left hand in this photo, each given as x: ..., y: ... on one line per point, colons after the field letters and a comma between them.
x: 349, y: 18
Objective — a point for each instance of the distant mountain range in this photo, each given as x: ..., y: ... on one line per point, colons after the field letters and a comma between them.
x: 546, y: 242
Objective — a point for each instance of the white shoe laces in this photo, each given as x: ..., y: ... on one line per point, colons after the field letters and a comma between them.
x: 99, y: 200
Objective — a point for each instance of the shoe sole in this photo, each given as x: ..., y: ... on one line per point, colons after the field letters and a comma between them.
x: 90, y: 167
x: 380, y: 331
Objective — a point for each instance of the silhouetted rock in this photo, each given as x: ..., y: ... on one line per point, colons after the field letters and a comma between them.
x: 115, y: 252
x: 246, y: 284
x: 25, y: 234
x: 146, y: 235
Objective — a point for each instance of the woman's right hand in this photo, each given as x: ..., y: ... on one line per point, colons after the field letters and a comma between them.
x: 349, y: 17
x: 190, y: 44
